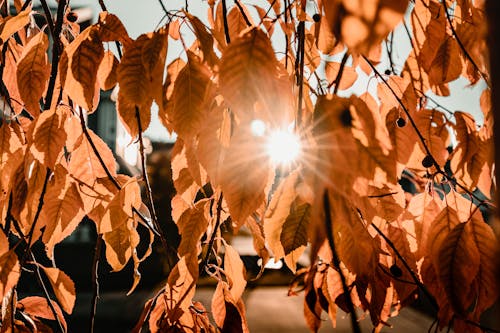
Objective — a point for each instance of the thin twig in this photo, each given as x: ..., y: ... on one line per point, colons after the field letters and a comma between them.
x: 462, y: 47
x: 226, y: 25
x: 46, y: 293
x: 336, y: 262
x: 95, y: 281
x: 421, y: 137
x: 414, y: 276
x: 339, y: 74
x: 299, y: 67
x: 214, y: 233
x: 57, y: 49
x: 48, y: 17
x: 242, y: 11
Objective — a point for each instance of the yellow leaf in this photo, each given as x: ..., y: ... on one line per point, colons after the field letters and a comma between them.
x: 33, y: 72
x: 63, y: 287
x: 49, y: 136
x: 190, y: 97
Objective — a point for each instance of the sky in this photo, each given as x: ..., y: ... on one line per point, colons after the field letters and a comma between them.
x: 144, y: 16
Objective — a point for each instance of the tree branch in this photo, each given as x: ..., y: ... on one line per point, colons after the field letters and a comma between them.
x: 242, y: 11
x: 56, y: 54
x: 299, y: 67
x: 224, y: 18
x: 336, y: 262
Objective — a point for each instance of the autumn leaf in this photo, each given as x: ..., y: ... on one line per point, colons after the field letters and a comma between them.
x: 111, y: 28
x: 119, y: 210
x: 12, y: 24
x: 188, y: 109
x: 106, y: 73
x: 235, y: 272
x: 294, y: 233
x: 38, y: 306
x: 49, y: 136
x: 63, y: 287
x: 244, y: 156
x: 248, y: 71
x: 33, y: 72
x: 11, y: 270
x: 62, y: 210
x: 121, y: 241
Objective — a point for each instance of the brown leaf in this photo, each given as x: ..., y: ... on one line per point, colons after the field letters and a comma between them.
x: 447, y: 65
x: 33, y: 72
x: 457, y: 265
x: 349, y: 75
x: 294, y: 233
x: 112, y: 29
x: 63, y: 287
x: 205, y: 39
x: 49, y: 136
x: 106, y: 74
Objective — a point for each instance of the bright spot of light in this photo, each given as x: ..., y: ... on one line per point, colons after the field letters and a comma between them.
x: 271, y: 264
x: 258, y: 127
x: 283, y: 147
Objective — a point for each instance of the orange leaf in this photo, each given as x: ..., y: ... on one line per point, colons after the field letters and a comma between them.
x: 189, y: 99
x: 111, y: 28
x: 49, y: 136
x: 121, y: 241
x: 10, y: 269
x: 38, y: 306
x: 205, y: 39
x: 33, y: 72
x: 349, y: 75
x: 84, y: 63
x: 12, y: 24
x: 63, y: 287
x: 84, y: 164
x: 62, y: 210
x: 106, y: 74
x: 244, y: 157
x: 235, y: 272
x: 119, y: 210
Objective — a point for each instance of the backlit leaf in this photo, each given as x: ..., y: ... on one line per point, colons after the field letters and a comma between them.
x: 106, y: 74
x: 33, y: 72
x: 49, y: 136
x: 235, y: 272
x: 119, y: 210
x: 10, y: 270
x: 120, y: 242
x: 63, y: 287
x: 38, y: 306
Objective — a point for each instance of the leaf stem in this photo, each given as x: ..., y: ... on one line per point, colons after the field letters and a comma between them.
x: 339, y: 74
x: 242, y: 11
x: 226, y: 25
x: 214, y: 233
x: 336, y: 262
x: 95, y: 281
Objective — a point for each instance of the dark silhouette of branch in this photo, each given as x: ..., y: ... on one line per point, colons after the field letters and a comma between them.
x: 57, y: 48
x: 214, y: 233
x: 37, y: 214
x: 414, y: 276
x: 439, y: 170
x: 95, y: 281
x: 242, y: 11
x: 336, y: 262
x: 48, y: 17
x: 299, y: 68
x: 339, y: 74
x: 226, y: 25
x: 462, y: 47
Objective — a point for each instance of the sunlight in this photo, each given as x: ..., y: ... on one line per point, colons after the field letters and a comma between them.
x: 283, y: 147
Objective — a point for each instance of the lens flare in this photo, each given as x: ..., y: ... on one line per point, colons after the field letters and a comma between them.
x: 283, y: 147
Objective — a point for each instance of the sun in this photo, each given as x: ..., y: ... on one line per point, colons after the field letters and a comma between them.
x: 283, y: 147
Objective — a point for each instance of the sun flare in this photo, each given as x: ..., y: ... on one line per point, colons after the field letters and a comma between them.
x: 283, y: 147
